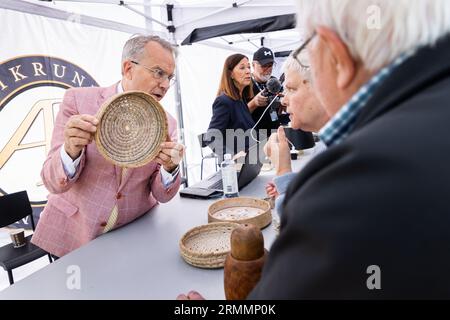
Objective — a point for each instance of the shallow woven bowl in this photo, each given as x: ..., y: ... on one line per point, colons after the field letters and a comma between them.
x: 240, y: 205
x: 207, y: 246
x: 132, y: 127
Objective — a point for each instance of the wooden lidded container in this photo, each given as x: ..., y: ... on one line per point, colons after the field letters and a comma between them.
x: 244, y: 264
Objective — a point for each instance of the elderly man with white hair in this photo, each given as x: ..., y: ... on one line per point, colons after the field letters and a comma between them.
x: 305, y: 113
x: 368, y: 218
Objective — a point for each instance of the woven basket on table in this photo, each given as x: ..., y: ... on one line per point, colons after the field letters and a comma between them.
x: 131, y: 129
x: 207, y: 246
x: 261, y: 220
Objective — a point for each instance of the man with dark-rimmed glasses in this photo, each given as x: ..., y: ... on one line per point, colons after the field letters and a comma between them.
x: 90, y: 196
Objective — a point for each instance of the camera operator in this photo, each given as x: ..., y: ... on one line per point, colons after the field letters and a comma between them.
x: 263, y: 61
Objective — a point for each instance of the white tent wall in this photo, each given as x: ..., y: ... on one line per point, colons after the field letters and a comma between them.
x: 200, y: 69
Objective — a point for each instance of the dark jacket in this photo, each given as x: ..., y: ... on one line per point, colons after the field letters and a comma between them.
x: 230, y: 114
x: 381, y: 197
x: 266, y: 122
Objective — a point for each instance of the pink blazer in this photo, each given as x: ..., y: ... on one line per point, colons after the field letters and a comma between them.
x: 78, y: 209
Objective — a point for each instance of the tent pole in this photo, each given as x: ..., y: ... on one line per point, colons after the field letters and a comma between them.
x: 179, y: 108
x: 178, y: 101
x: 144, y: 15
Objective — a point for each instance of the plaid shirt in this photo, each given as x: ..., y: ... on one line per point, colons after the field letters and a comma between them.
x: 340, y: 126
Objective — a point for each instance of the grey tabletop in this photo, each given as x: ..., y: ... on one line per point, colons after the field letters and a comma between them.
x: 140, y: 260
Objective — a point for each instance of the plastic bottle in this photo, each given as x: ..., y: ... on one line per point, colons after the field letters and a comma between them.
x: 229, y: 177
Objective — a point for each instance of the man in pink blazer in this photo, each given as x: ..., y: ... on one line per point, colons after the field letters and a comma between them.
x: 88, y: 195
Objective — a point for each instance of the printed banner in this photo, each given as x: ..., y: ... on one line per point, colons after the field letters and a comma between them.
x: 39, y: 60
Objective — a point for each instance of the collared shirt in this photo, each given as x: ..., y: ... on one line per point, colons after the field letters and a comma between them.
x: 70, y: 166
x: 340, y: 126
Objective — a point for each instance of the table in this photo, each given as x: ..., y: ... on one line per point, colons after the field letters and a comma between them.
x: 140, y: 260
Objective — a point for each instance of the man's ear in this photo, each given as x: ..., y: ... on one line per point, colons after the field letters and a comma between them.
x: 126, y: 69
x: 343, y: 60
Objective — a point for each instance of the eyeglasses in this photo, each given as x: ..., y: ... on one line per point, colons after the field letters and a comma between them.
x: 158, y: 73
x: 297, y: 51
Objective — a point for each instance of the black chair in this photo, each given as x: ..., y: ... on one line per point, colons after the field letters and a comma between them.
x: 204, y: 144
x: 13, y: 207
x: 302, y: 140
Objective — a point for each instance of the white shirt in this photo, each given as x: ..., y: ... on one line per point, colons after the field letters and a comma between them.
x: 70, y: 166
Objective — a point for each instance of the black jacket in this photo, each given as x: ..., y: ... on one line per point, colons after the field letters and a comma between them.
x: 381, y: 197
x: 230, y: 114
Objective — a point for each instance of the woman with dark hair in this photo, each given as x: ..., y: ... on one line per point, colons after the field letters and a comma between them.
x: 230, y: 110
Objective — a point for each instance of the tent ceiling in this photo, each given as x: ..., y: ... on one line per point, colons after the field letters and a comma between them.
x: 187, y: 18
x: 237, y: 25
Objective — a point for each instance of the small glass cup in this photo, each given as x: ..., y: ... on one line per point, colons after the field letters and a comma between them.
x: 18, y: 238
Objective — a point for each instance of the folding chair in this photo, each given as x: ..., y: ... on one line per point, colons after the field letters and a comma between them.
x: 14, y: 207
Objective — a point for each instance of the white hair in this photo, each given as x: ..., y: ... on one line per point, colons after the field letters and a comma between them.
x: 378, y: 31
x: 292, y: 64
x: 134, y: 48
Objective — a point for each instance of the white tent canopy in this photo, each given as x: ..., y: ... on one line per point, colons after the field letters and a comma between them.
x: 140, y: 15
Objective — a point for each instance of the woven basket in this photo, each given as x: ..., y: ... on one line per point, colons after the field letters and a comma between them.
x: 241, y: 210
x: 207, y: 246
x: 132, y: 127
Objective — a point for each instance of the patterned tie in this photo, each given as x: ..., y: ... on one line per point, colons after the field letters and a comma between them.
x: 115, y: 211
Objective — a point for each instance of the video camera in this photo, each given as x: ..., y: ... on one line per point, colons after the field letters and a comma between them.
x: 273, y: 88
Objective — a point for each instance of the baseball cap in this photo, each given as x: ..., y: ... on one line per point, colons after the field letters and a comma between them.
x: 263, y: 55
